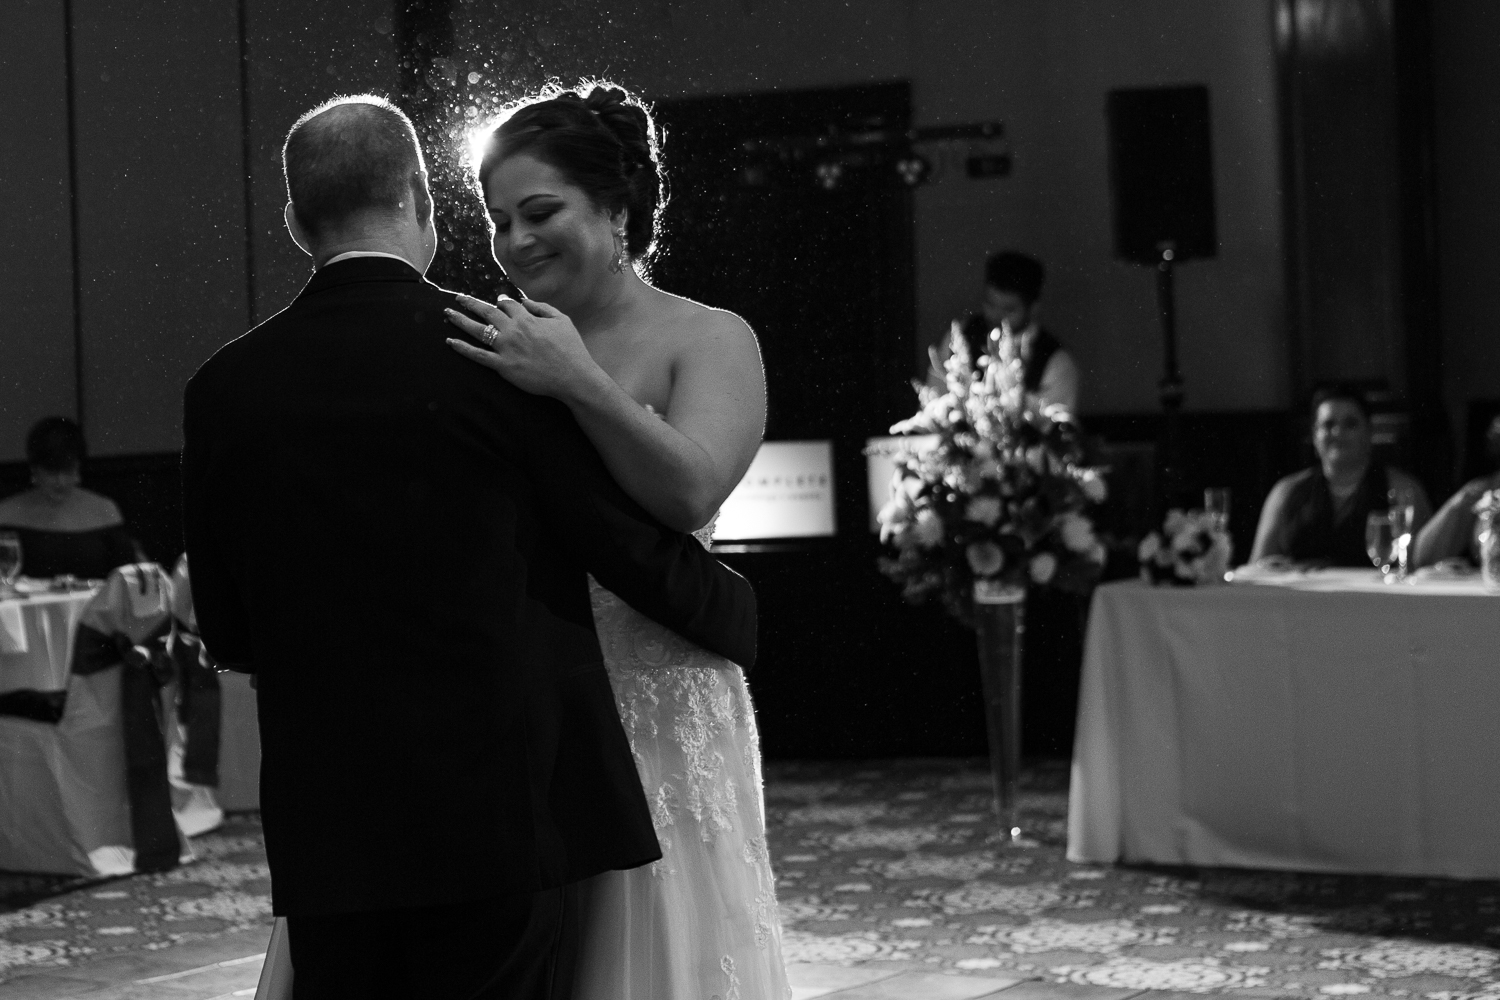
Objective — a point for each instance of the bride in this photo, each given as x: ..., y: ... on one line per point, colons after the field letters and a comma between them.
x: 672, y: 393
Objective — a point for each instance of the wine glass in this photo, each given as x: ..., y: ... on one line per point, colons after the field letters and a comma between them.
x: 1380, y: 541
x: 10, y: 560
x: 1216, y: 506
x: 1403, y: 520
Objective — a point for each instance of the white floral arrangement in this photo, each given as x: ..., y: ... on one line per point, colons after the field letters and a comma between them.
x: 996, y: 491
x: 1190, y: 549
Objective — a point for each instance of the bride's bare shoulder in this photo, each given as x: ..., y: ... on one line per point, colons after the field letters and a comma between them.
x: 693, y: 323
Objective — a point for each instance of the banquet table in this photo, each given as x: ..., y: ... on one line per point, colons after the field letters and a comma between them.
x: 1322, y: 721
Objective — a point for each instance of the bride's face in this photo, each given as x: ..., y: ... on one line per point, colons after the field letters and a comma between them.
x: 550, y: 237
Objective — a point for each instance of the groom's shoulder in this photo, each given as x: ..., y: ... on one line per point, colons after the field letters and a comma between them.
x: 240, y: 349
x: 397, y: 303
x: 436, y: 293
x: 264, y: 336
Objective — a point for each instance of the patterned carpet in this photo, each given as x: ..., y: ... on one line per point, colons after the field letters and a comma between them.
x: 896, y: 863
x: 228, y: 888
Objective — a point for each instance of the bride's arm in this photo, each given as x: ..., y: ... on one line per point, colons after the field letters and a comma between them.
x: 680, y: 469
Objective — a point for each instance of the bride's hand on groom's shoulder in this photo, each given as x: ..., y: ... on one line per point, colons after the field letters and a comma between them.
x: 533, y: 345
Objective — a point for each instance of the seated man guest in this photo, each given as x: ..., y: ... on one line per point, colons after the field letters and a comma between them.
x: 64, y: 528
x: 1451, y: 534
x: 1318, y: 515
x: 1010, y: 307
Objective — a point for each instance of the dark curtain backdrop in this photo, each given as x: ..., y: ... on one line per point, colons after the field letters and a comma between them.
x: 824, y: 275
x: 1361, y: 260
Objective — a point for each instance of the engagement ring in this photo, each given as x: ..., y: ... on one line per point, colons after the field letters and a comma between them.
x: 490, y: 335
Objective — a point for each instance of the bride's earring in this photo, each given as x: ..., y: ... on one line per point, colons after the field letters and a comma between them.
x: 618, y: 264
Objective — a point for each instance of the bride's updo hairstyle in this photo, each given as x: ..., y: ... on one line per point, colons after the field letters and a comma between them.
x: 605, y: 143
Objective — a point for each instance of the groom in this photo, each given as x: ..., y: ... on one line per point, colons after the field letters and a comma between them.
x: 395, y: 542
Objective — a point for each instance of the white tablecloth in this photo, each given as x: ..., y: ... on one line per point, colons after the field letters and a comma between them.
x: 1319, y: 723
x: 36, y: 639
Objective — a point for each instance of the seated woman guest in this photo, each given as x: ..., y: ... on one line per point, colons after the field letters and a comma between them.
x: 64, y: 528
x: 1318, y: 515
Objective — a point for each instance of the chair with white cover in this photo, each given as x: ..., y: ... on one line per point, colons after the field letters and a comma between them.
x: 89, y: 795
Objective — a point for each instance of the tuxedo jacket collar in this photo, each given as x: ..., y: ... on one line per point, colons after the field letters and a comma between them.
x: 359, y: 269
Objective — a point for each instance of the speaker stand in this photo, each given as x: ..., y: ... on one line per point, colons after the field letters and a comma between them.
x: 1172, y: 484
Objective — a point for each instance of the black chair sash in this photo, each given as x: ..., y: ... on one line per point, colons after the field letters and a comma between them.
x: 144, y: 668
x: 199, y: 708
x: 38, y: 706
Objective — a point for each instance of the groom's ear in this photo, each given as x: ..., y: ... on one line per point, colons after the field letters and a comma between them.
x: 421, y: 198
x: 299, y: 235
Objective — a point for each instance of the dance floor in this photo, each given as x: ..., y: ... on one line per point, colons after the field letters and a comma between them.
x: 890, y: 873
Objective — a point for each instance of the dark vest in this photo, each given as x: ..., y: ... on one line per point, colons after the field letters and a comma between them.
x: 976, y: 330
x: 1319, y: 533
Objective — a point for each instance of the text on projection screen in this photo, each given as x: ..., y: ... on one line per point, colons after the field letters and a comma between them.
x: 786, y: 493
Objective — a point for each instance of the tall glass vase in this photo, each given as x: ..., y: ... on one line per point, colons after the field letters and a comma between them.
x: 1000, y: 627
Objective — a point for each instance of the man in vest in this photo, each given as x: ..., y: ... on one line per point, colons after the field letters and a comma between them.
x: 1012, y: 288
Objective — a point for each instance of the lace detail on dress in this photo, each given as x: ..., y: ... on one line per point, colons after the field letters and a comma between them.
x: 691, y: 727
x: 661, y: 679
x: 767, y: 918
x: 727, y: 965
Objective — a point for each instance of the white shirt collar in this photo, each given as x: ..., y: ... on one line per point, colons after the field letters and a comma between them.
x: 364, y: 253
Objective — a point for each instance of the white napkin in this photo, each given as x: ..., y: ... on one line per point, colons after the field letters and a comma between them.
x: 144, y: 587
x: 12, y: 628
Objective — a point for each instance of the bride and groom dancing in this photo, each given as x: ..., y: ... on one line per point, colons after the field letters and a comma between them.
x: 422, y: 563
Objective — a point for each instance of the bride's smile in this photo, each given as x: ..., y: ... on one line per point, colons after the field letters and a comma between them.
x: 531, y: 265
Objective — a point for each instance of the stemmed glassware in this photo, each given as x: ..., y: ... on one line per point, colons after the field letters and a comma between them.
x: 1380, y: 542
x: 1216, y: 505
x: 10, y: 560
x: 1403, y: 518
x: 1403, y: 514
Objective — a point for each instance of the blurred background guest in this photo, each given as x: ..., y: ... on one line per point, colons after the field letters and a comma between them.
x: 1318, y: 515
x: 1451, y: 532
x: 64, y: 528
x: 1011, y: 303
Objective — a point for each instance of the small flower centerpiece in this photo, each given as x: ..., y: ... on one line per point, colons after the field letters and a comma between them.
x: 1190, y: 549
x: 993, y: 494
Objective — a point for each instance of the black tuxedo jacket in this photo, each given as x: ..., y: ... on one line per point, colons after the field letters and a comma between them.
x: 396, y: 541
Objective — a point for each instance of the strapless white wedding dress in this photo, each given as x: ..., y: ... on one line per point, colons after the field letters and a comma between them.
x: 701, y: 923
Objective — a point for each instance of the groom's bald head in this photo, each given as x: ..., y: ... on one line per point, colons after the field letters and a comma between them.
x: 350, y: 157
